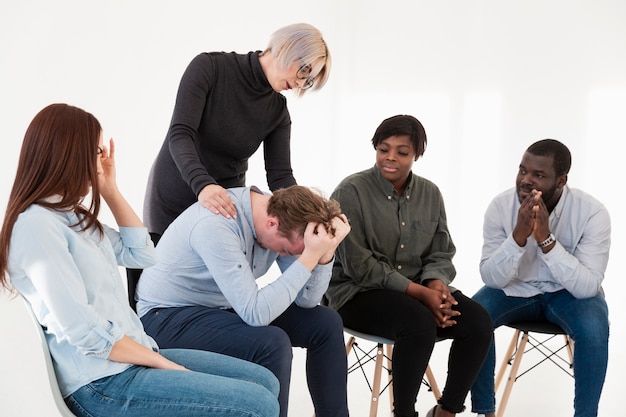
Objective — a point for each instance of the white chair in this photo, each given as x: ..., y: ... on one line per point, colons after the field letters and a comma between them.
x: 378, y: 355
x: 52, y: 379
x: 523, y: 337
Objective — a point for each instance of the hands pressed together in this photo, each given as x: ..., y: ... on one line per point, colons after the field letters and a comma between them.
x: 532, y: 219
x: 436, y: 296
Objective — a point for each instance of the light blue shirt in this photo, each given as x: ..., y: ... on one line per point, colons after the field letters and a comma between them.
x: 208, y: 260
x: 72, y: 281
x: 582, y: 227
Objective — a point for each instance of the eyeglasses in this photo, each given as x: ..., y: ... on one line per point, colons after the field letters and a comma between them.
x: 99, y: 151
x: 304, y: 73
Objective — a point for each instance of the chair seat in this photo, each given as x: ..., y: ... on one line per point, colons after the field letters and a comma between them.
x: 377, y: 339
x: 369, y: 337
x: 544, y: 327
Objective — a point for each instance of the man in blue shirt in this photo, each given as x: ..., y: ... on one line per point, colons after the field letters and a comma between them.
x: 545, y: 251
x: 203, y: 294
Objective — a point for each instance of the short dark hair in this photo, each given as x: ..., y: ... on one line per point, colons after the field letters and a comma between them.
x: 402, y: 124
x: 558, y: 151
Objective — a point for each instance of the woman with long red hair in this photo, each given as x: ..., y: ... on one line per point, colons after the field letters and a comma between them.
x: 55, y: 252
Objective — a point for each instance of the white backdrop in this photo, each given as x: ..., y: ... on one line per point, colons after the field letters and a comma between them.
x: 486, y: 78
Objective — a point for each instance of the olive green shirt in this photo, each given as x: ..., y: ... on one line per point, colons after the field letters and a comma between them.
x: 394, y: 239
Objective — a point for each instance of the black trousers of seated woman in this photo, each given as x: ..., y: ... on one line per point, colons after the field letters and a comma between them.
x: 406, y: 321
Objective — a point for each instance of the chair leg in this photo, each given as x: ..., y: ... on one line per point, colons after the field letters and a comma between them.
x: 430, y: 377
x: 378, y: 367
x: 351, y: 342
x: 570, y: 349
x: 513, y: 373
x: 507, y: 358
x: 389, y: 349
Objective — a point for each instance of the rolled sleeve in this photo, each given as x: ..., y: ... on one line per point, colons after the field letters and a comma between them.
x: 100, y: 340
x: 132, y: 246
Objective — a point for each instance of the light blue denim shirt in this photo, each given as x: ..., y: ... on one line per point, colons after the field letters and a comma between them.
x: 208, y: 260
x: 582, y: 227
x: 72, y: 281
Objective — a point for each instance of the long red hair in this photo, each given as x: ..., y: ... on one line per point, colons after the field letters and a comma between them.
x: 58, y: 157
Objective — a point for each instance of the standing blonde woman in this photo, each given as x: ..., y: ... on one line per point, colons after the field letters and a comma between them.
x: 228, y: 104
x: 55, y: 252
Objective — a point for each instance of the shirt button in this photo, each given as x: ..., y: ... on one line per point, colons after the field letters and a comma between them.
x: 403, y: 224
x: 399, y: 266
x: 402, y: 246
x: 388, y: 197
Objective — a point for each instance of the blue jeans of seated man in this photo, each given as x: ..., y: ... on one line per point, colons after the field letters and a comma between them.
x: 319, y: 330
x: 218, y: 385
x: 584, y: 320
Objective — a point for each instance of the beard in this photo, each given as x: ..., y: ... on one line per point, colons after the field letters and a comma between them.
x: 546, y: 194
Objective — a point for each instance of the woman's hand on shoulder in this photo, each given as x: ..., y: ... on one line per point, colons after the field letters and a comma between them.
x: 216, y: 199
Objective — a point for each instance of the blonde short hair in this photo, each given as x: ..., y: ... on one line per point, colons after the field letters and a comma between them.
x: 302, y: 43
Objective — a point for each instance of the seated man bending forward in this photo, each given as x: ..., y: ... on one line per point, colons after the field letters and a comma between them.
x: 203, y: 294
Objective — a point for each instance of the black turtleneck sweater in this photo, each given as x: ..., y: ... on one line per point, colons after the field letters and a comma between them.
x: 225, y: 108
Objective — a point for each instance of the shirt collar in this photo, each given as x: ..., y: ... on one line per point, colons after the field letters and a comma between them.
x: 54, y: 198
x: 246, y: 202
x: 257, y: 71
x: 558, y: 209
x: 387, y: 188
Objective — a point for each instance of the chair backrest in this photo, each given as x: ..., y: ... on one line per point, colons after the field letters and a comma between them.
x: 133, y: 275
x: 132, y: 279
x: 52, y: 378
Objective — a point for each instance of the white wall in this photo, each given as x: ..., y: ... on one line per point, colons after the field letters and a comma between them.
x: 486, y: 78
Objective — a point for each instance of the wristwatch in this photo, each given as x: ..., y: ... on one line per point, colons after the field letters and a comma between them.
x: 550, y: 240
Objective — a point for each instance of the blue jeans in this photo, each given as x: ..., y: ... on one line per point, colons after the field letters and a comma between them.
x: 584, y: 320
x: 319, y: 330
x: 217, y: 385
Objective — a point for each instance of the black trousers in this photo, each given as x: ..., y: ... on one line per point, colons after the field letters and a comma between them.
x: 406, y: 321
